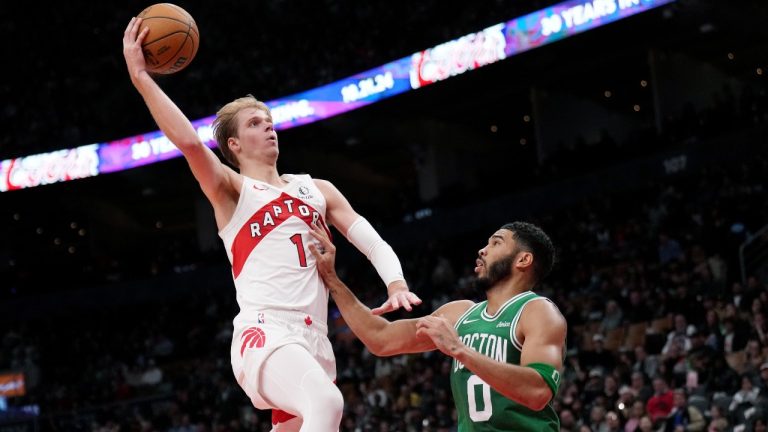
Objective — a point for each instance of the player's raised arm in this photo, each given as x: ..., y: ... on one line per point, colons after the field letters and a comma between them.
x: 215, y: 178
x: 382, y: 337
x: 360, y: 233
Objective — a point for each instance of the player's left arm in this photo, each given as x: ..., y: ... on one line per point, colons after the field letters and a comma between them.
x: 535, y: 382
x: 361, y: 233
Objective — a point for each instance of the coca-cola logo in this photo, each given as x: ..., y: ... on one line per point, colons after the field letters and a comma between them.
x: 47, y: 168
x: 458, y: 56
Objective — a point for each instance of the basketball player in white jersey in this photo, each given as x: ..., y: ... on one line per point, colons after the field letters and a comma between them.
x: 281, y: 355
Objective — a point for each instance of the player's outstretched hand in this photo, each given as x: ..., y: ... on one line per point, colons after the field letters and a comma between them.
x: 399, y: 296
x: 132, y: 39
x: 442, y: 333
x: 324, y: 252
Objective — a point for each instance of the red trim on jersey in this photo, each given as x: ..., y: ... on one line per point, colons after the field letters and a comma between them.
x: 280, y: 416
x: 244, y: 243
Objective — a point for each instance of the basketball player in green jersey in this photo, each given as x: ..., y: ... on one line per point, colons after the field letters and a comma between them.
x: 507, y: 350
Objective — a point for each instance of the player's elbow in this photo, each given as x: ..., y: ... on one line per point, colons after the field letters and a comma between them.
x: 187, y: 145
x: 539, y: 399
x: 380, y: 348
x: 375, y: 347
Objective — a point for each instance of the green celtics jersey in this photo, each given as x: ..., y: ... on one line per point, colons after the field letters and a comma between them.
x: 480, y: 408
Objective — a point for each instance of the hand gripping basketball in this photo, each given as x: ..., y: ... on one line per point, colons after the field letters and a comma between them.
x: 172, y: 40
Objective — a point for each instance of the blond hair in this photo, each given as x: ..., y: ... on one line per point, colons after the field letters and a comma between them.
x: 225, y: 124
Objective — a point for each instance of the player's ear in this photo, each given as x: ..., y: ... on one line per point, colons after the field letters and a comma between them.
x: 233, y: 144
x: 524, y: 259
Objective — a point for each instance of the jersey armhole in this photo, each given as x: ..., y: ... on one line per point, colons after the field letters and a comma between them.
x: 513, y: 327
x: 232, y: 221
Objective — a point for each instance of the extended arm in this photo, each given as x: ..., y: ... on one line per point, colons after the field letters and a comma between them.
x: 543, y: 329
x: 216, y: 179
x: 382, y: 337
x: 364, y: 237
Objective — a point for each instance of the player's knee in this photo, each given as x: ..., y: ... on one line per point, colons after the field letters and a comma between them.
x: 334, y: 400
x: 331, y: 408
x: 324, y: 394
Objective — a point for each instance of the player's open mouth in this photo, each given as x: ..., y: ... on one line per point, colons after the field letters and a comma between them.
x: 478, y: 264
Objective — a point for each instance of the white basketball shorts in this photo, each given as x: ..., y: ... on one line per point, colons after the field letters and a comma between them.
x: 252, y: 345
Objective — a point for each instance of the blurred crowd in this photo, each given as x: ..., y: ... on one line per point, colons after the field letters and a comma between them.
x: 663, y: 332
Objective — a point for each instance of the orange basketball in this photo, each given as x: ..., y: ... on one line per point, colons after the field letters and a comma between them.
x: 172, y: 41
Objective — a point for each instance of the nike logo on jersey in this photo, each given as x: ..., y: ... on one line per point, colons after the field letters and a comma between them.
x: 468, y: 321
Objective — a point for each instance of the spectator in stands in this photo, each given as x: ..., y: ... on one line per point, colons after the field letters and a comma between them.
x: 568, y: 421
x: 734, y: 338
x: 638, y: 384
x: 712, y: 330
x: 718, y: 422
x: 613, y: 317
x: 683, y: 302
x: 635, y: 414
x: 610, y: 391
x: 674, y: 363
x: 598, y: 356
x: 678, y: 336
x: 597, y: 418
x: 669, y: 249
x: 757, y: 306
x: 612, y: 423
x: 684, y: 417
x: 594, y: 386
x: 754, y: 356
x: 763, y: 384
x: 637, y: 310
x: 701, y: 356
x: 755, y: 288
x: 759, y: 425
x: 626, y: 400
x: 661, y: 403
x: 644, y: 363
x: 737, y: 295
x: 760, y: 328
x: 746, y: 396
x: 152, y: 375
x: 646, y: 424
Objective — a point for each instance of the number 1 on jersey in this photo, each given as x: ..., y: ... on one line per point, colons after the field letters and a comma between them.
x: 296, y: 239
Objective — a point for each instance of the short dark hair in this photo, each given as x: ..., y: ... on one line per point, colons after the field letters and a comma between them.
x: 534, y: 240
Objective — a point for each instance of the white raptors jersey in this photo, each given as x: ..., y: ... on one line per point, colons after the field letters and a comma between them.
x: 266, y: 242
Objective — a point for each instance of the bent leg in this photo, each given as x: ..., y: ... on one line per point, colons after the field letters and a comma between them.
x: 292, y: 380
